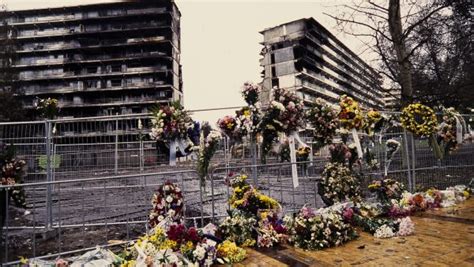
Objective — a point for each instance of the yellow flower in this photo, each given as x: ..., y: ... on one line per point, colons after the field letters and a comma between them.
x: 130, y: 263
x: 23, y: 260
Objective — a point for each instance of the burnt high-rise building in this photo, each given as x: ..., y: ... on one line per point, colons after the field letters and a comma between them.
x: 99, y: 59
x: 304, y: 56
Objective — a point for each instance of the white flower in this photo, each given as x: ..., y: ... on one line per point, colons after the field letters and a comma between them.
x: 199, y: 253
x: 171, y: 213
x: 278, y: 105
x: 169, y: 199
x: 384, y: 231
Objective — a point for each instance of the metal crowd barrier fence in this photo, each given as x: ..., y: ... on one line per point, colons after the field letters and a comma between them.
x: 93, y: 211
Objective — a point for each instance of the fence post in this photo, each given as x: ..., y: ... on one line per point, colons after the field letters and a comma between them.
x: 116, y: 147
x: 49, y: 175
x: 413, y: 155
x: 253, y: 149
x: 407, y: 155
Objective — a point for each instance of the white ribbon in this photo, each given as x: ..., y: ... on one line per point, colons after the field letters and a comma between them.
x: 173, y: 153
x: 294, y: 169
x: 355, y: 136
x: 459, y: 137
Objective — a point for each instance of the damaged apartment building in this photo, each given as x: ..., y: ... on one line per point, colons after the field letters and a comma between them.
x: 98, y: 59
x: 304, y: 56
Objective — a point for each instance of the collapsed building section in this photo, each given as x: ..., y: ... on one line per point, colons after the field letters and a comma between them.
x: 304, y: 56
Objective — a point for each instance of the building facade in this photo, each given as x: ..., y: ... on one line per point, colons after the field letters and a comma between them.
x: 302, y: 55
x: 392, y: 98
x: 98, y: 59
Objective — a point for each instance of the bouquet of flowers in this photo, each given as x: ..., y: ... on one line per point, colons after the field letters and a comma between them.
x: 170, y: 123
x: 12, y: 171
x: 228, y: 253
x: 284, y: 115
x: 350, y: 116
x: 315, y: 230
x: 247, y: 119
x: 248, y: 199
x: 302, y: 153
x: 251, y: 93
x: 344, y: 154
x: 209, y: 142
x: 372, y: 223
x: 271, y: 230
x: 238, y: 227
x: 338, y: 184
x: 48, y: 108
x: 177, y: 246
x: 228, y: 126
x: 167, y: 203
x: 373, y: 122
x: 448, y: 130
x: 387, y: 189
x: 324, y: 120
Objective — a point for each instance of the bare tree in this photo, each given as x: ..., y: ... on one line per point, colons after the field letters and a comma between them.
x: 391, y: 30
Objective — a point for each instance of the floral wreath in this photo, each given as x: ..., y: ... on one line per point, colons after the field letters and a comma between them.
x: 251, y: 93
x: 170, y: 123
x: 167, y: 202
x: 419, y: 119
x: 350, y: 116
x: 227, y: 125
x: 339, y: 184
x: 324, y: 119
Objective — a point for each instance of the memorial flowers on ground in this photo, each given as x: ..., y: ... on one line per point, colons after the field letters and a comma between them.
x: 318, y: 229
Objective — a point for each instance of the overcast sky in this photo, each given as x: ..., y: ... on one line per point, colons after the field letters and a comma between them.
x: 220, y: 42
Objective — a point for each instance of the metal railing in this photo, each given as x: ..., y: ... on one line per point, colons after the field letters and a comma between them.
x: 67, y: 212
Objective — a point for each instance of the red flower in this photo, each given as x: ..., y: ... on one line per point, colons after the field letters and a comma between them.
x: 193, y: 235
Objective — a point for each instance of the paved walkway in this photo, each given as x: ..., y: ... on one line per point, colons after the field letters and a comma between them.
x: 443, y: 237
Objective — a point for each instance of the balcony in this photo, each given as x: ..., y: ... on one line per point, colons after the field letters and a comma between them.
x: 83, y: 16
x: 72, y: 32
x: 68, y: 75
x: 66, y: 90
